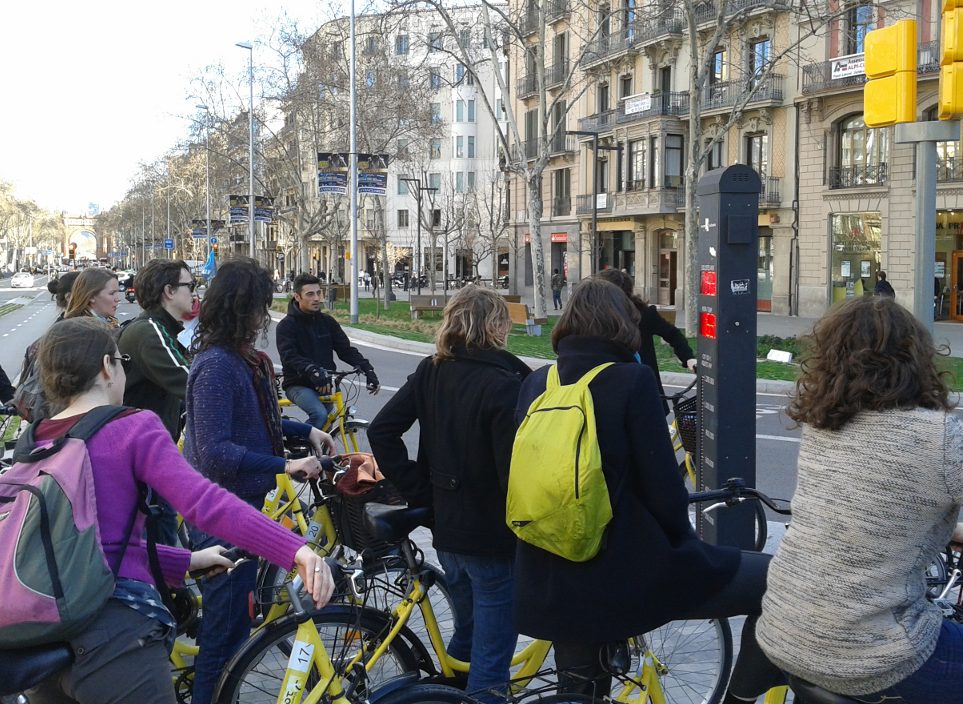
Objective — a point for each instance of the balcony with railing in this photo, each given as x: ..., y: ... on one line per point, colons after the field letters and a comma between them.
x: 557, y: 9
x: 562, y: 143
x: 583, y: 204
x: 599, y: 122
x: 859, y: 175
x: 528, y: 23
x: 726, y: 94
x: 610, y: 45
x: 556, y: 74
x: 526, y: 150
x: 707, y: 11
x: 949, y: 170
x: 648, y: 105
x: 771, y: 191
x: 561, y: 207
x: 655, y: 28
x: 847, y: 73
x: 526, y: 86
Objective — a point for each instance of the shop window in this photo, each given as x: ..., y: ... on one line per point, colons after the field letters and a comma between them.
x: 855, y: 254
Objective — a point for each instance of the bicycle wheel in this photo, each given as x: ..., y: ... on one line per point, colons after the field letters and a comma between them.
x: 693, y: 659
x: 255, y: 674
x: 355, y: 437
x: 422, y: 693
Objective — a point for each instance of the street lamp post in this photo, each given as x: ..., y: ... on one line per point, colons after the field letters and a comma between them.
x: 595, y: 189
x: 250, y: 150
x: 417, y: 182
x: 207, y: 168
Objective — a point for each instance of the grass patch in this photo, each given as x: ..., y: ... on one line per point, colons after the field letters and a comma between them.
x: 396, y: 321
x: 9, y: 308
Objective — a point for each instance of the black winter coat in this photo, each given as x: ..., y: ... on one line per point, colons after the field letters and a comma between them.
x: 312, y: 339
x: 465, y: 409
x: 650, y: 324
x: 652, y: 567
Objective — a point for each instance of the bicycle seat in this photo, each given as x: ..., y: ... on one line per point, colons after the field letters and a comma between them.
x: 811, y: 694
x: 25, y: 668
x: 393, y: 523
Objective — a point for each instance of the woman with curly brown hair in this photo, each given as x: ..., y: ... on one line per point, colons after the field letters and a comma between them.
x: 234, y: 437
x: 879, y: 489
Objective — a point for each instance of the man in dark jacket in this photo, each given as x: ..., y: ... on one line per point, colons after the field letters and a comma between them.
x: 6, y: 388
x: 159, y: 364
x: 307, y: 340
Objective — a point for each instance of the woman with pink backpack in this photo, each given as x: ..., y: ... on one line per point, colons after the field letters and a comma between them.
x: 121, y: 655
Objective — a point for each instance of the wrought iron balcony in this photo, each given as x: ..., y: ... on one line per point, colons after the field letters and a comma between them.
x: 846, y: 72
x: 556, y: 74
x: 771, y: 191
x: 646, y: 106
x: 610, y: 45
x: 526, y: 86
x: 583, y: 204
x: 561, y: 207
x: 949, y: 170
x: 707, y: 11
x: 726, y: 94
x: 529, y: 21
x: 670, y: 23
x: 858, y: 175
x: 562, y: 143
x: 557, y: 9
x: 598, y: 122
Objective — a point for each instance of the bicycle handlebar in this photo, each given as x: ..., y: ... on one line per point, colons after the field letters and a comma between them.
x: 8, y: 410
x: 678, y: 396
x: 734, y: 492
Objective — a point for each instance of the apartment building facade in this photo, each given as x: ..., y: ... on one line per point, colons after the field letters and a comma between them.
x: 837, y: 198
x: 455, y: 158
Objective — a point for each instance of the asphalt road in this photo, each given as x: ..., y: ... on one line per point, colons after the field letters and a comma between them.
x: 777, y: 442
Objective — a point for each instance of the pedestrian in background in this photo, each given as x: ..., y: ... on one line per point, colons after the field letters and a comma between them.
x: 465, y: 391
x: 650, y: 325
x: 846, y: 607
x: 883, y: 287
x: 558, y: 281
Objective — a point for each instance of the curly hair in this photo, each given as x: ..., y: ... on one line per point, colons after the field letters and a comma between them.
x: 235, y: 308
x: 474, y: 318
x: 867, y: 354
x: 154, y: 278
x: 599, y: 308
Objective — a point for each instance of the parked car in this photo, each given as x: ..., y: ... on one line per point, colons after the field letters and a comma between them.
x: 22, y: 279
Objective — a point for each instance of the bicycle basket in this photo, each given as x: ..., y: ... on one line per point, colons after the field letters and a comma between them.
x: 687, y: 420
x: 349, y: 516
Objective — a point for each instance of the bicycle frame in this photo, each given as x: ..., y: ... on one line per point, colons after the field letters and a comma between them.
x: 337, y: 418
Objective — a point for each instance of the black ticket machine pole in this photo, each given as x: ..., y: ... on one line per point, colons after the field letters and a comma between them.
x: 728, y: 250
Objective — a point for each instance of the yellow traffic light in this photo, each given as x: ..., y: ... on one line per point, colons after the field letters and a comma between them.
x: 951, y: 60
x: 889, y: 95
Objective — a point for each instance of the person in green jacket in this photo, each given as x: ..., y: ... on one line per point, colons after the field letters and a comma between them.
x: 158, y: 364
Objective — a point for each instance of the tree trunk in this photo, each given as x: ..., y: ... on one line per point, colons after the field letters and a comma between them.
x: 534, y: 184
x: 691, y: 226
x: 385, y: 276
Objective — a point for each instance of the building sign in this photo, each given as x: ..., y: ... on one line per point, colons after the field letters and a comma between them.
x: 847, y: 66
x: 601, y: 200
x: 561, y: 237
x: 638, y: 103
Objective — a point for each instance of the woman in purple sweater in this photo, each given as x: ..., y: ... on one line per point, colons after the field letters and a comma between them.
x: 123, y: 655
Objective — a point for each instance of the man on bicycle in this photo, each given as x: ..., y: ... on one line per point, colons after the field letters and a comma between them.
x: 307, y: 339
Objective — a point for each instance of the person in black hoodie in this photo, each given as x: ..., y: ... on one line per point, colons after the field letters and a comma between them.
x: 307, y: 339
x: 652, y: 568
x: 463, y: 398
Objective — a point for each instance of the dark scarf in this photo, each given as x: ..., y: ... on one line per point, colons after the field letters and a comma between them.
x: 263, y: 370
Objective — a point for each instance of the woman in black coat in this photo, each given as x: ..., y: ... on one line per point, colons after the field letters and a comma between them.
x: 652, y: 568
x: 463, y: 398
x: 650, y: 325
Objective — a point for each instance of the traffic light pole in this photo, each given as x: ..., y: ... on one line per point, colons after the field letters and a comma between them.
x: 925, y: 135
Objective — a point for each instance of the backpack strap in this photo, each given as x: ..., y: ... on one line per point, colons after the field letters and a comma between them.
x: 94, y: 420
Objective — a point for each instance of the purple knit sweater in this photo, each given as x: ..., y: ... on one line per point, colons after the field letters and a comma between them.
x: 138, y: 447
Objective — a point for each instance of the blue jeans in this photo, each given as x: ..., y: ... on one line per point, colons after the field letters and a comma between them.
x: 227, y: 620
x: 557, y: 299
x: 940, y: 679
x: 307, y: 400
x: 481, y: 596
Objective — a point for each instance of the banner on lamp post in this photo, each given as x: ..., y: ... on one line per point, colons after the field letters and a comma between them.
x: 333, y: 173
x: 373, y: 174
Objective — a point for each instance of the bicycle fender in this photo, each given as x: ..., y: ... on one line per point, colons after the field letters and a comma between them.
x: 392, y: 686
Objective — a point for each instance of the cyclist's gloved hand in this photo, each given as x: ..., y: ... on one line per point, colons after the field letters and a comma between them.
x: 372, y: 383
x: 319, y: 379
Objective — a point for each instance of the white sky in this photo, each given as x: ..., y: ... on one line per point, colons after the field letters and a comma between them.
x: 91, y: 88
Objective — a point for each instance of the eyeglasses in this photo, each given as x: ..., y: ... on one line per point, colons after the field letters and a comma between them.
x: 124, y: 360
x: 190, y: 284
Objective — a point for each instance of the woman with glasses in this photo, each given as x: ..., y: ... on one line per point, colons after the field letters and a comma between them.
x: 122, y: 656
x: 234, y: 436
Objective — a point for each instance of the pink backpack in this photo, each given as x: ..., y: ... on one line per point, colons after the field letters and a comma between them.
x: 54, y: 575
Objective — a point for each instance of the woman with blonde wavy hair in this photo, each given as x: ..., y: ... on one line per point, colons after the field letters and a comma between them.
x: 96, y: 293
x: 463, y: 398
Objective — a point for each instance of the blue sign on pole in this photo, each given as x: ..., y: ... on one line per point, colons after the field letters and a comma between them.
x: 168, y: 244
x: 213, y: 240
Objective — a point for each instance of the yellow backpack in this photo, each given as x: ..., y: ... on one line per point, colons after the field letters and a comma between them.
x: 557, y: 496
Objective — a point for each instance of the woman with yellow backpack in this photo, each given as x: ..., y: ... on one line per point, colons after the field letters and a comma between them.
x: 585, y: 580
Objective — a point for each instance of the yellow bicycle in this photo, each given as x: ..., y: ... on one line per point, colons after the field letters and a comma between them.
x: 684, y: 430
x: 341, y: 424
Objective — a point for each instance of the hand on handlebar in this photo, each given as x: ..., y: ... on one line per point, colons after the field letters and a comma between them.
x: 691, y: 364
x: 304, y: 468
x: 372, y: 384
